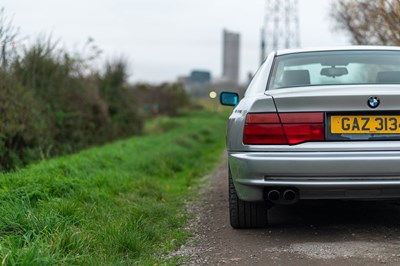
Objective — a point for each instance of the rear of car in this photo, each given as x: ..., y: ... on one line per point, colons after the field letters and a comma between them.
x: 315, y: 124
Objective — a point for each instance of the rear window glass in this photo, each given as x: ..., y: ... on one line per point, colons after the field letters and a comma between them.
x: 335, y: 67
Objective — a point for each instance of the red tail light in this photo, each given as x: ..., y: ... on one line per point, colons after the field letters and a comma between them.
x: 285, y: 128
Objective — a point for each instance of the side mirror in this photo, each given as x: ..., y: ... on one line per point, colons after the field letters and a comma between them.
x: 229, y: 98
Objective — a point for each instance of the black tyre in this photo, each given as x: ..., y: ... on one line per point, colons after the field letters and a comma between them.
x: 244, y: 214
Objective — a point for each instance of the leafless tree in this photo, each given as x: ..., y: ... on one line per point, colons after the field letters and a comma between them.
x: 8, y: 35
x: 374, y: 22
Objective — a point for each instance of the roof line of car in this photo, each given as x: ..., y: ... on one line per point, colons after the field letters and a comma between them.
x: 338, y: 48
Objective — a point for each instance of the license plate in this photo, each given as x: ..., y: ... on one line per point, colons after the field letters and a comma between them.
x: 365, y: 124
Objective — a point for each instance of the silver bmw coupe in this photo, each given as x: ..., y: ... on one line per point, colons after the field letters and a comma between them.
x: 315, y: 124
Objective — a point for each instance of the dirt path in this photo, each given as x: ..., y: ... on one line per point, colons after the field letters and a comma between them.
x: 310, y: 233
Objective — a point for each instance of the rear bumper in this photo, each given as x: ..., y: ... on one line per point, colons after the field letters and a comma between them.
x: 318, y: 175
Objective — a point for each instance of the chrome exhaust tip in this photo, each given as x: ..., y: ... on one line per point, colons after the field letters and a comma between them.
x: 290, y: 196
x: 274, y: 196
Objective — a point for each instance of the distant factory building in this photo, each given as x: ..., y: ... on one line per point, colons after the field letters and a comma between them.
x: 197, y: 83
x: 200, y: 82
x: 231, y: 46
x: 200, y: 77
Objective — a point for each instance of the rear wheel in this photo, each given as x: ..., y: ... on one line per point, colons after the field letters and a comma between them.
x: 244, y: 214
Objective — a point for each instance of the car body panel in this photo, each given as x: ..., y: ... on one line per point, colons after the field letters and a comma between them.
x: 258, y: 84
x: 335, y: 98
x: 316, y: 171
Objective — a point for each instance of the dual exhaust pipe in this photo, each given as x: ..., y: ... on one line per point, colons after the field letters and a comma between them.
x: 285, y: 196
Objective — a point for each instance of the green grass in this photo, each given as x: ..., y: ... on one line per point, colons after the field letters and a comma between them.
x: 120, y: 204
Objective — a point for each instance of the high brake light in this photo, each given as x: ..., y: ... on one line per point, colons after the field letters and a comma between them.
x: 284, y: 128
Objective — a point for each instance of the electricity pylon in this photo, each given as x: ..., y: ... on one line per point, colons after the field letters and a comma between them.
x: 281, y: 26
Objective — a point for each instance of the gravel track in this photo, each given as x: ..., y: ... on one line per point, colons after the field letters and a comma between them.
x: 309, y: 233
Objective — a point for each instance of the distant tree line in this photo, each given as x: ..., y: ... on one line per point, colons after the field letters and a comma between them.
x: 53, y: 102
x: 369, y: 22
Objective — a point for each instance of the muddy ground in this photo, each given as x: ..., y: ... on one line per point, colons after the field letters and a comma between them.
x: 308, y: 233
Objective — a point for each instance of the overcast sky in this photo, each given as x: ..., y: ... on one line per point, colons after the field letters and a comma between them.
x: 164, y: 39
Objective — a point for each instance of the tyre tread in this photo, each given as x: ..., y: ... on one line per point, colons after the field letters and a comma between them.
x: 244, y: 214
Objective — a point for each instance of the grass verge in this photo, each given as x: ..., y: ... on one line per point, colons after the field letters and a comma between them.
x: 120, y: 204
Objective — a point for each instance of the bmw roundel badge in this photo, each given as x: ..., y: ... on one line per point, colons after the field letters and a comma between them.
x: 373, y: 102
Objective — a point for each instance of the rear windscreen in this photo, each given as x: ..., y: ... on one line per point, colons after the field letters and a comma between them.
x: 334, y: 68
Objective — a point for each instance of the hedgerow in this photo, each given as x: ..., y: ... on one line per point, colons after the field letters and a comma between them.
x: 54, y: 102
